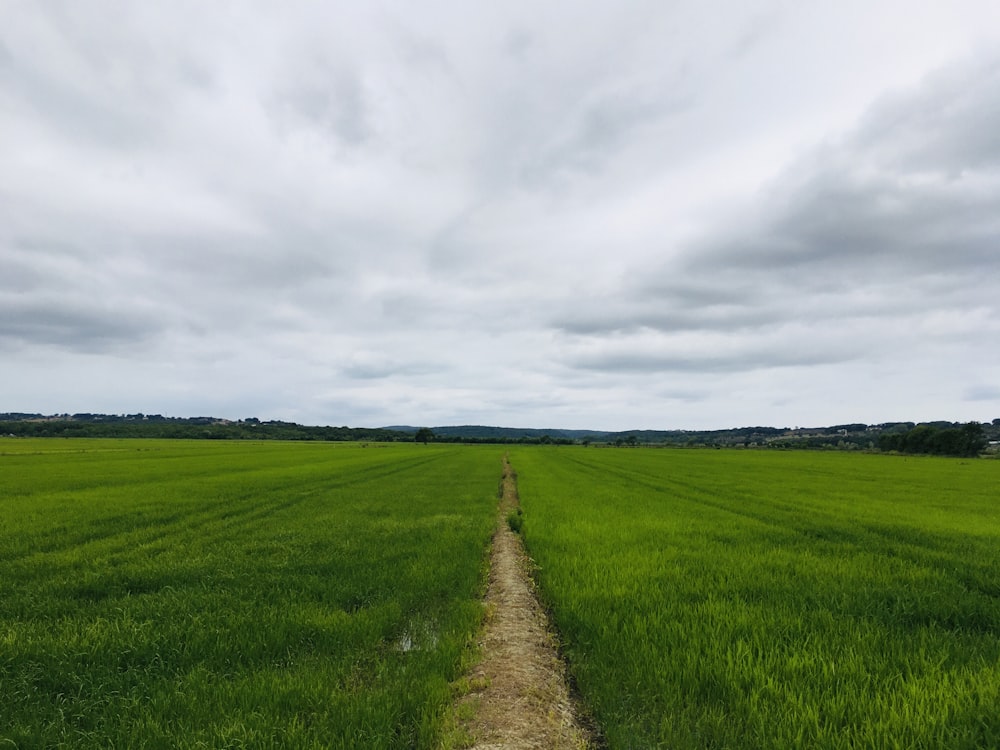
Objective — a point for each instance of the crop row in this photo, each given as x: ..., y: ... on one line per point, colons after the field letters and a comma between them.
x: 772, y: 600
x: 174, y: 594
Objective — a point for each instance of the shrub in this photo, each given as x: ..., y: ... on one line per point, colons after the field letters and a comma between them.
x: 515, y: 521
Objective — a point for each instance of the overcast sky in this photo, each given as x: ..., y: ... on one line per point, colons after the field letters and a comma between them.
x: 604, y: 215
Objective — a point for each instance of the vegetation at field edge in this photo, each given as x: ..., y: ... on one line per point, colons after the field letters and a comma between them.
x: 179, y: 594
x: 725, y: 599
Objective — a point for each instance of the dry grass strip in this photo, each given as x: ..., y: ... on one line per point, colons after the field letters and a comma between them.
x: 518, y: 695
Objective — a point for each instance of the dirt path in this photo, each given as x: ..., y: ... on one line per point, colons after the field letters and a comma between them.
x: 519, y: 697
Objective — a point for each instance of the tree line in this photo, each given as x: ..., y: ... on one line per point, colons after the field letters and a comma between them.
x: 938, y: 438
x: 964, y: 441
x: 195, y: 428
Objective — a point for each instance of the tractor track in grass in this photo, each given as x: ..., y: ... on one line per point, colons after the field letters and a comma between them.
x: 518, y: 695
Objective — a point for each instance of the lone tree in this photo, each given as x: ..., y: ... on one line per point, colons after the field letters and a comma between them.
x: 424, y: 434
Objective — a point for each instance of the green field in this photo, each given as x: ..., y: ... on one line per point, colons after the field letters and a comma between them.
x: 754, y: 599
x: 236, y: 594
x: 268, y: 594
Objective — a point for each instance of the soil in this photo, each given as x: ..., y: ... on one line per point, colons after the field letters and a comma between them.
x: 519, y: 696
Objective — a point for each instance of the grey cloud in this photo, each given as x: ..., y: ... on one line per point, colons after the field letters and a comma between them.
x: 370, y: 371
x: 670, y: 305
x: 78, y: 114
x: 111, y: 96
x: 836, y: 222
x: 854, y: 235
x: 253, y: 265
x: 601, y: 128
x: 669, y: 314
x: 865, y: 204
x: 376, y: 366
x: 20, y: 275
x: 128, y: 288
x: 422, y: 52
x: 684, y: 395
x: 331, y: 99
x: 950, y: 125
x: 408, y: 307
x: 910, y: 187
x: 722, y: 363
x: 518, y: 42
x: 567, y: 120
x: 339, y: 210
x: 730, y: 306
x: 982, y: 392
x: 754, y: 32
x: 704, y: 293
x: 56, y: 271
x: 72, y: 326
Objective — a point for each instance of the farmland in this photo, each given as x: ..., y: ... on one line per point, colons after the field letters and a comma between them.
x: 734, y: 599
x: 265, y: 594
x: 213, y: 594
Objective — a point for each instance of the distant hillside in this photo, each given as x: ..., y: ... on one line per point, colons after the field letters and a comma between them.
x: 943, y: 437
x: 853, y: 436
x: 18, y: 424
x: 506, y: 433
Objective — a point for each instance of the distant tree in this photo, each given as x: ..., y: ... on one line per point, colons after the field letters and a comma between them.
x: 967, y: 441
x: 424, y: 435
x: 920, y: 439
x: 973, y: 439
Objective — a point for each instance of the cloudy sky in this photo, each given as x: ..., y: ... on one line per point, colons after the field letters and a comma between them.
x: 610, y: 215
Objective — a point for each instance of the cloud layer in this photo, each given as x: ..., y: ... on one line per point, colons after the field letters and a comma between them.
x: 566, y: 215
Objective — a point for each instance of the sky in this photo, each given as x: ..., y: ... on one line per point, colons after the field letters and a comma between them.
x: 693, y: 214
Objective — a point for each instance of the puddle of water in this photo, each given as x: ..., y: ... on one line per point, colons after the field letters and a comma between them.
x: 418, y: 637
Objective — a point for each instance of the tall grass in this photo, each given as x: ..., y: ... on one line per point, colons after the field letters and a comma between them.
x: 174, y: 594
x: 731, y: 599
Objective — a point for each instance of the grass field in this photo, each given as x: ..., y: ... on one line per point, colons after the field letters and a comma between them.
x: 213, y: 594
x: 730, y: 599
x: 240, y: 594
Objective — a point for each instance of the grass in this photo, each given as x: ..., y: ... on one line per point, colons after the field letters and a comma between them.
x: 201, y: 594
x: 727, y: 599
x: 515, y: 521
x: 240, y: 594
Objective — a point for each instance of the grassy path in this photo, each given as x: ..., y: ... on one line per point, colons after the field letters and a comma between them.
x: 519, y: 697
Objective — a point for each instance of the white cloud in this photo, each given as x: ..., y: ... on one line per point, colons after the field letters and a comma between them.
x: 555, y: 214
